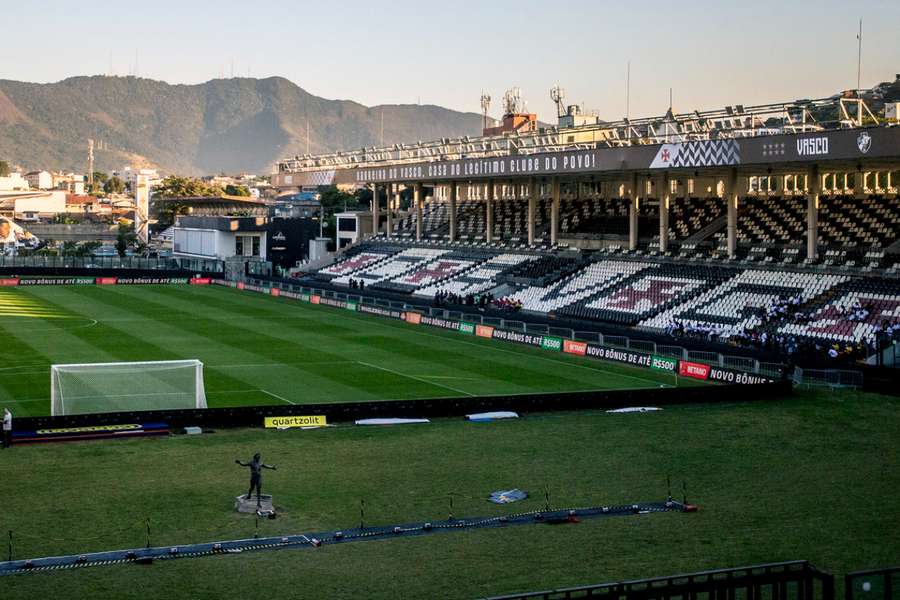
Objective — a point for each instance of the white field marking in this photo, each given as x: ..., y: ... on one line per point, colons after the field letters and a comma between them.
x: 216, y: 393
x: 280, y: 364
x: 219, y: 367
x: 57, y: 327
x: 419, y: 379
x: 29, y: 366
x: 276, y: 396
x: 449, y: 377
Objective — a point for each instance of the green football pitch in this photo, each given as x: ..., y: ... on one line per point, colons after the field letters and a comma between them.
x: 260, y: 350
x: 813, y: 476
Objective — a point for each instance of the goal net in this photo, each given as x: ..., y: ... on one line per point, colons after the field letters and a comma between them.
x: 126, y: 386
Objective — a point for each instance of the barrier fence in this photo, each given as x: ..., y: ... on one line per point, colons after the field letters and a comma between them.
x: 646, y: 347
x: 795, y: 580
x: 832, y: 378
x: 111, y: 262
x: 876, y: 584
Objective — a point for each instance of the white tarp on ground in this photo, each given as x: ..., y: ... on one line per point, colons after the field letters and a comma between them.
x: 390, y: 421
x: 492, y: 416
x: 631, y: 409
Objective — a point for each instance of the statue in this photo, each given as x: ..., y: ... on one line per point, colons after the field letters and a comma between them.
x: 256, y: 466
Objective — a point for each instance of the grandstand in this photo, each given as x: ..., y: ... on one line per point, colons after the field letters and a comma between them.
x: 701, y: 225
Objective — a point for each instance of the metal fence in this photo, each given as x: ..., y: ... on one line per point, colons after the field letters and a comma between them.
x: 832, y: 378
x: 796, y: 580
x: 877, y: 584
x: 112, y: 262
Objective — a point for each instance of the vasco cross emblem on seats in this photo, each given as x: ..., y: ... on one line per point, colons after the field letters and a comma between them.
x: 864, y: 142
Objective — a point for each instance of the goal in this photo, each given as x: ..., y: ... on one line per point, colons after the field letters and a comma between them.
x: 126, y: 386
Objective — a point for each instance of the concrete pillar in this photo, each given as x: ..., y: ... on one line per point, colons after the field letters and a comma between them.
x: 533, y: 192
x: 665, y: 196
x: 554, y: 210
x: 454, y: 189
x: 418, y: 200
x: 489, y: 212
x: 776, y: 184
x: 732, y: 196
x: 391, y: 202
x: 375, y: 209
x: 812, y: 213
x: 633, y: 214
x: 859, y: 185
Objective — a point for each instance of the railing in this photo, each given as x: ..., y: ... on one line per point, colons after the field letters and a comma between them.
x: 808, y: 377
x: 796, y: 580
x: 112, y: 262
x: 876, y: 584
x: 741, y: 363
x: 832, y: 378
x: 731, y: 122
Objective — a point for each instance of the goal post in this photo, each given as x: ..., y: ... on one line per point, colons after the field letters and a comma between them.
x: 126, y: 386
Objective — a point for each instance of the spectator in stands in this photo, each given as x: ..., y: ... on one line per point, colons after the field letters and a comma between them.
x: 7, y: 428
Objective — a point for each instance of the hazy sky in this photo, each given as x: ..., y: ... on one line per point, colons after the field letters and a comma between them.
x: 712, y: 53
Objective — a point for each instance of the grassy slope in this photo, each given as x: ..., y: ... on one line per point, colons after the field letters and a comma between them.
x: 258, y: 349
x: 811, y: 477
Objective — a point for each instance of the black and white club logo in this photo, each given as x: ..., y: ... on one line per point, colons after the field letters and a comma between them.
x: 864, y: 142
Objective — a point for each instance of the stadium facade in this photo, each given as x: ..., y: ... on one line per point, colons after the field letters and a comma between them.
x: 713, y: 154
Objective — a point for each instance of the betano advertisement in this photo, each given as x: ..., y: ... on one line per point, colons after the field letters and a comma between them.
x: 548, y: 342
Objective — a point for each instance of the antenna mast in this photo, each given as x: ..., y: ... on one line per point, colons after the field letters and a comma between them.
x: 557, y: 94
x: 91, y: 163
x: 485, y: 105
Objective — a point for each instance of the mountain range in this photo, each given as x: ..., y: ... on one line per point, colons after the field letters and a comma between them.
x: 221, y: 126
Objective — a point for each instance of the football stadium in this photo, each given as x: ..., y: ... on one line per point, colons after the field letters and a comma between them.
x: 652, y: 358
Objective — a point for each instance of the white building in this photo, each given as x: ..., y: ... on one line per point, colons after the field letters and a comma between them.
x: 39, y: 180
x: 129, y: 175
x: 14, y: 182
x: 352, y: 227
x: 220, y: 238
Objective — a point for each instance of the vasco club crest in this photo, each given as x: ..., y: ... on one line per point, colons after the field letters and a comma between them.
x: 864, y: 142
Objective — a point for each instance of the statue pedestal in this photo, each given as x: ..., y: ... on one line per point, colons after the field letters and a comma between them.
x: 243, y: 504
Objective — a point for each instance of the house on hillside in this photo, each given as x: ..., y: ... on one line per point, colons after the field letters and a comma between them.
x: 39, y: 180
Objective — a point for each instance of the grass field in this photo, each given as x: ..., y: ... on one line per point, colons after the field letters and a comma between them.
x: 262, y: 350
x: 810, y: 477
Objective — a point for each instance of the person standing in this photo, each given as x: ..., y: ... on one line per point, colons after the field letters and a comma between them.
x: 7, y: 428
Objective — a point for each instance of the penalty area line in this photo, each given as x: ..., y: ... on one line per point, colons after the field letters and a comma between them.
x: 419, y: 379
x: 276, y: 396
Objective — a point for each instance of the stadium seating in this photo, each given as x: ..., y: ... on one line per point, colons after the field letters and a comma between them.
x: 848, y: 222
x: 854, y: 314
x: 480, y: 279
x: 734, y: 305
x: 394, y: 266
x: 776, y: 220
x: 357, y: 261
x: 649, y: 292
x: 582, y: 284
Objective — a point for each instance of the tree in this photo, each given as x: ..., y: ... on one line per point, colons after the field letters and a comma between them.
x: 114, y: 186
x: 174, y: 186
x: 125, y: 238
x: 4, y: 168
x: 236, y: 190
